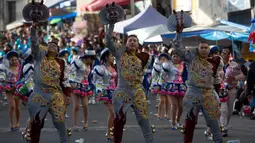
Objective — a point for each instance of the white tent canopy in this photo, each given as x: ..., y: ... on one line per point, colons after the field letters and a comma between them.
x: 147, y: 18
x: 148, y: 32
x: 154, y: 40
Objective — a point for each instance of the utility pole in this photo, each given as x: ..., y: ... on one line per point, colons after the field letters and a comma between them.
x: 132, y: 7
x: 2, y: 15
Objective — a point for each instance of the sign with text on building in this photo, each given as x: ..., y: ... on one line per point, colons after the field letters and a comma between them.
x: 236, y: 5
x: 185, y: 5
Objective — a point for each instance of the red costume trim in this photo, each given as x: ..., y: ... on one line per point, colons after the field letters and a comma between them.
x: 189, y: 127
x: 119, y: 122
x: 36, y: 126
x: 215, y: 61
x: 144, y: 57
x: 66, y: 90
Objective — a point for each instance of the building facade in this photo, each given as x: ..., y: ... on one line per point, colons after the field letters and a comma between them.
x: 203, y: 12
x: 208, y: 12
x: 10, y: 12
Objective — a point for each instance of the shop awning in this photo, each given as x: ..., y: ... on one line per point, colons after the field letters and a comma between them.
x: 215, y: 35
x: 188, y: 32
x: 61, y: 14
x: 236, y: 25
x: 97, y: 5
x: 56, y: 20
x: 84, y: 7
x: 65, y: 16
x: 15, y: 24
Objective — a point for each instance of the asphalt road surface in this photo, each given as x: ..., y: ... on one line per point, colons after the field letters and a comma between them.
x: 241, y: 129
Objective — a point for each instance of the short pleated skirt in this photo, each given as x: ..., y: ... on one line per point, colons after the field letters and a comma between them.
x: 82, y: 89
x: 155, y: 88
x: 173, y: 89
x: 106, y: 96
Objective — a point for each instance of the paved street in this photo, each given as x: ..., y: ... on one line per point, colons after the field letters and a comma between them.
x: 243, y: 129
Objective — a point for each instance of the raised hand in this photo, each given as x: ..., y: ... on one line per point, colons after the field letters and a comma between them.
x: 111, y: 14
x: 110, y: 29
x: 35, y: 25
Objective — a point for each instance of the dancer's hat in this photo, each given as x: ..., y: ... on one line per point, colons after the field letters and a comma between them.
x: 111, y: 13
x: 36, y: 12
x: 62, y: 53
x: 103, y: 53
x: 181, y: 16
x: 88, y: 53
x: 12, y: 54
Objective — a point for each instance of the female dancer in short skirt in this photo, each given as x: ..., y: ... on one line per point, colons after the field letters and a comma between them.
x: 11, y: 74
x: 105, y: 80
x: 155, y: 76
x: 163, y: 58
x: 78, y: 77
x: 176, y: 89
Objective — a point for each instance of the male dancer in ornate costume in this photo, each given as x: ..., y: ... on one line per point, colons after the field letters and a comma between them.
x: 200, y: 93
x: 51, y: 91
x: 129, y: 91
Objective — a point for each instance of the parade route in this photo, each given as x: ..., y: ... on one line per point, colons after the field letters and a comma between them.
x: 241, y: 128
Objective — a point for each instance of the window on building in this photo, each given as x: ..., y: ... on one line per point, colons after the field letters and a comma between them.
x: 241, y: 17
x: 163, y: 7
x: 11, y: 11
x: 252, y: 3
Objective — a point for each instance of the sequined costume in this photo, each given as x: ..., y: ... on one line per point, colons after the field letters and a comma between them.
x: 232, y: 70
x: 129, y: 91
x: 50, y: 89
x: 78, y: 78
x: 25, y: 86
x: 200, y: 94
x: 105, y: 82
x: 2, y: 76
x: 155, y: 76
x: 171, y: 79
x: 8, y: 78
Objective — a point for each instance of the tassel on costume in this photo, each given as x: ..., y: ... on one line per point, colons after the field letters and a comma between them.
x: 119, y: 123
x: 36, y: 126
x: 189, y: 126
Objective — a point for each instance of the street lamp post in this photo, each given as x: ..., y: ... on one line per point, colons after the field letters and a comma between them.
x: 132, y: 7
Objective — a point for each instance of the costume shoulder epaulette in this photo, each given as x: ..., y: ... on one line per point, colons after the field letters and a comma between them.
x: 27, y: 68
x: 99, y: 70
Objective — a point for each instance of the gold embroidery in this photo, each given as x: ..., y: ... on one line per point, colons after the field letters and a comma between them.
x: 210, y: 104
x: 58, y: 107
x: 131, y: 69
x: 122, y: 95
x: 50, y: 72
x: 201, y: 72
x: 43, y: 48
x: 38, y: 98
x: 141, y: 103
